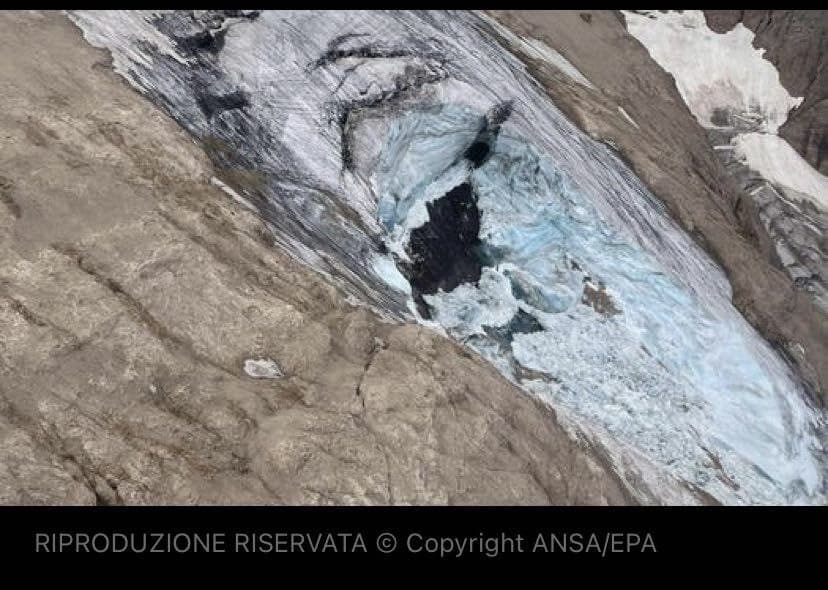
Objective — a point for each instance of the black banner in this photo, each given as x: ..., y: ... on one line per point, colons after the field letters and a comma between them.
x: 415, y: 534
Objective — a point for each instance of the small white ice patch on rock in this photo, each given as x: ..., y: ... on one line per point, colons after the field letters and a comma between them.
x: 386, y: 269
x: 235, y: 196
x: 262, y: 369
x: 629, y: 119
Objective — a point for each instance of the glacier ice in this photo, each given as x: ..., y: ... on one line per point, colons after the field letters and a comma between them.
x: 690, y: 385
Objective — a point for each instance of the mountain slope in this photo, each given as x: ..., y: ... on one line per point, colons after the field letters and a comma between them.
x: 134, y: 290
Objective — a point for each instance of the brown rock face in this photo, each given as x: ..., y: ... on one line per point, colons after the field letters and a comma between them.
x: 132, y: 291
x: 670, y: 152
x: 796, y: 42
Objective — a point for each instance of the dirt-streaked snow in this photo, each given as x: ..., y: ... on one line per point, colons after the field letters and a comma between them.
x: 724, y: 71
x: 712, y: 70
x: 775, y: 159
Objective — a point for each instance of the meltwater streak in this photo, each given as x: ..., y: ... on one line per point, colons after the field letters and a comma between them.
x: 316, y: 105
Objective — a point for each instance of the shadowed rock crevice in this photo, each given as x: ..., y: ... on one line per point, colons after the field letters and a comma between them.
x: 7, y: 198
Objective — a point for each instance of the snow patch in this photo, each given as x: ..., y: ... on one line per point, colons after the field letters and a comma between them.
x: 559, y: 61
x: 262, y: 369
x: 713, y: 70
x: 775, y: 159
x: 232, y: 193
x: 723, y: 71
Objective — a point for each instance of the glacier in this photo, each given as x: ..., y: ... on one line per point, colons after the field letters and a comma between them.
x: 686, y: 382
x: 350, y: 132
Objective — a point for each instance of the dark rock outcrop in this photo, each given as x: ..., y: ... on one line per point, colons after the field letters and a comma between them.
x: 444, y: 251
